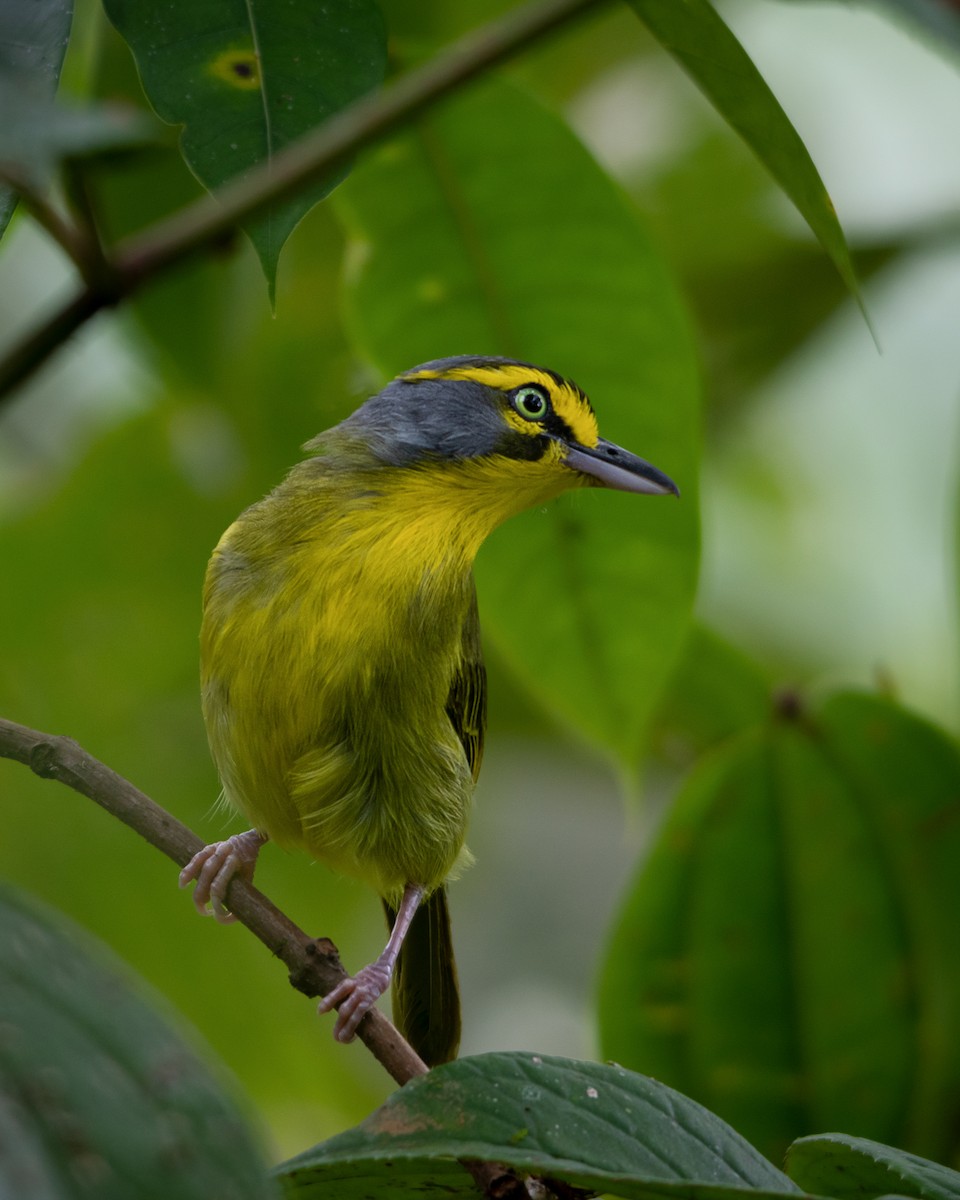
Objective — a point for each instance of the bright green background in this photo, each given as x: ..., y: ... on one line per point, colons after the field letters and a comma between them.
x: 670, y: 269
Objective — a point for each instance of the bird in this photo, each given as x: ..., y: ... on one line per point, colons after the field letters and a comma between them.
x: 342, y: 679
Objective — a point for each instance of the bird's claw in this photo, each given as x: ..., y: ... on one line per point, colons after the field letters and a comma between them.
x: 215, y: 867
x: 354, y: 997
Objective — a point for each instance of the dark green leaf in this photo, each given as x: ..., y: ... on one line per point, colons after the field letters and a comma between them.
x: 594, y: 1126
x: 788, y: 954
x: 852, y: 1168
x: 247, y: 77
x: 502, y: 236
x: 33, y: 41
x: 695, y: 985
x: 99, y: 1096
x: 695, y: 35
x: 905, y: 773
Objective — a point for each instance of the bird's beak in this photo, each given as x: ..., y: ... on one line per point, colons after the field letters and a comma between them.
x: 613, y: 467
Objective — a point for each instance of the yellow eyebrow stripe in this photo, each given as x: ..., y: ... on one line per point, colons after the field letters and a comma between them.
x: 569, y: 403
x: 505, y: 377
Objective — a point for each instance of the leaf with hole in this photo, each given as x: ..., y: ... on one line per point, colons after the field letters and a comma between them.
x: 247, y: 77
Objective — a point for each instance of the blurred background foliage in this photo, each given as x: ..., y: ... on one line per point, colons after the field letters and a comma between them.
x: 827, y: 492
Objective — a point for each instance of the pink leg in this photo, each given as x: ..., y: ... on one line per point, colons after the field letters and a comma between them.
x: 353, y: 998
x: 215, y: 866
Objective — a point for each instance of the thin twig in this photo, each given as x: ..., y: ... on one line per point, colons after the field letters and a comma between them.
x: 202, y: 223
x: 313, y: 965
x: 68, y: 237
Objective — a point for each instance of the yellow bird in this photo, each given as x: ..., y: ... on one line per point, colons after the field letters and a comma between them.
x: 342, y: 677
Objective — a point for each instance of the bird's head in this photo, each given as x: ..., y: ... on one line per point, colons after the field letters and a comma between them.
x: 500, y: 421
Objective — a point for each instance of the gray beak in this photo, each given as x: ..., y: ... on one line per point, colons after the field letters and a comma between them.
x: 613, y: 467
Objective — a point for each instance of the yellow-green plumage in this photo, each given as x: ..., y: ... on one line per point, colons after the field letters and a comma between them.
x: 342, y: 679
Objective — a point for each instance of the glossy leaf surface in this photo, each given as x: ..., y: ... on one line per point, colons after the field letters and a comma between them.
x: 247, y: 78
x: 504, y: 237
x: 785, y: 954
x: 100, y: 1096
x: 591, y: 1125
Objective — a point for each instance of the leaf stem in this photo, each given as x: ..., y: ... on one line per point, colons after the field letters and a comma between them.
x: 204, y: 222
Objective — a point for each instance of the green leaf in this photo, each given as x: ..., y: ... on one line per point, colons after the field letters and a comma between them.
x: 99, y: 1095
x: 695, y: 983
x: 852, y: 1168
x: 503, y: 236
x: 33, y: 41
x: 591, y: 1125
x: 715, y: 693
x: 906, y: 772
x: 247, y: 77
x: 37, y: 134
x: 695, y: 35
x: 819, y: 986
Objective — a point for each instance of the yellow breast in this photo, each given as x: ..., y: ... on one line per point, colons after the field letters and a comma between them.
x: 333, y: 625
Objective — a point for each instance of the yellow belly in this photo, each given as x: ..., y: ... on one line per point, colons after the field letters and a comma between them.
x: 325, y: 675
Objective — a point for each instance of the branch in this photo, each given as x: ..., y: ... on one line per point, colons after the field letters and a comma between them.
x: 74, y: 241
x: 204, y: 222
x: 314, y: 965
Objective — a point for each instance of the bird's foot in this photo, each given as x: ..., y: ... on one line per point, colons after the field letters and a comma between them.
x: 354, y: 997
x: 215, y: 866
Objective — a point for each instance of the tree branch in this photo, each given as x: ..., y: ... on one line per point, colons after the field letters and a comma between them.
x: 202, y: 223
x: 314, y: 965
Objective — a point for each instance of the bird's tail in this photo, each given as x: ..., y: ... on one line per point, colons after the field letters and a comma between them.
x: 426, y: 995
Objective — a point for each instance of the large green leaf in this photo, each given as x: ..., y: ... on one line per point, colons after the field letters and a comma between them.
x: 593, y: 1126
x: 100, y: 1096
x: 246, y: 77
x: 905, y: 775
x: 33, y: 41
x: 787, y: 953
x: 852, y: 1168
x: 695, y: 35
x: 502, y: 236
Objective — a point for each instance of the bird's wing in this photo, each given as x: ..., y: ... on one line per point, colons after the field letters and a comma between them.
x: 467, y: 700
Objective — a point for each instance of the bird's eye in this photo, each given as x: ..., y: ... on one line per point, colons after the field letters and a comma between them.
x: 530, y: 402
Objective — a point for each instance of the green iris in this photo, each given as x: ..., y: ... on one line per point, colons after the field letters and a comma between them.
x: 531, y: 403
